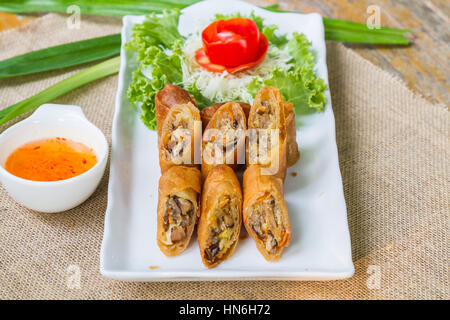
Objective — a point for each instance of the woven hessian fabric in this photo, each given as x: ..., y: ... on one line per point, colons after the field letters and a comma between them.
x: 393, y: 151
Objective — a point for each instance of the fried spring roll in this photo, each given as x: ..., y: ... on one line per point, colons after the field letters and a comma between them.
x: 224, y: 138
x: 266, y: 144
x: 292, y: 153
x: 265, y: 214
x: 221, y: 216
x: 207, y: 113
x: 178, y: 136
x: 168, y: 97
x: 178, y: 208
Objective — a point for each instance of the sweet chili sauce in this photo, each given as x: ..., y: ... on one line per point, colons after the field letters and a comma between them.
x: 50, y: 160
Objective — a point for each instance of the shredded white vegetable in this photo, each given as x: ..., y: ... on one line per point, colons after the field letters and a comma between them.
x: 222, y: 87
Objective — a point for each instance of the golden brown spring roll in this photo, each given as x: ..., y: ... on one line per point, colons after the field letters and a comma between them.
x: 266, y: 144
x: 224, y: 138
x: 265, y: 214
x: 207, y: 113
x: 178, y: 208
x: 221, y: 216
x: 292, y: 152
x: 178, y: 136
x: 168, y: 97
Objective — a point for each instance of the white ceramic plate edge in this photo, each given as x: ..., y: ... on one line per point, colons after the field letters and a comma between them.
x: 110, y: 204
x: 155, y: 275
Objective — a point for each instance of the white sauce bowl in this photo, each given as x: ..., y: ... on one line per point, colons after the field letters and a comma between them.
x: 51, y: 121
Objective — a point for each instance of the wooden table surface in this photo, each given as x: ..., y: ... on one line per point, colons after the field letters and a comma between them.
x: 423, y: 66
x: 8, y: 21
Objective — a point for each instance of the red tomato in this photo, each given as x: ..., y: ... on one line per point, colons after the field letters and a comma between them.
x: 233, y: 45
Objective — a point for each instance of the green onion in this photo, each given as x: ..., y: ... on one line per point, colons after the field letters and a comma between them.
x: 99, y: 7
x: 98, y: 71
x: 347, y: 31
x: 363, y: 37
x: 331, y: 23
x: 61, y: 56
x: 337, y: 30
x: 103, y: 47
x: 99, y: 48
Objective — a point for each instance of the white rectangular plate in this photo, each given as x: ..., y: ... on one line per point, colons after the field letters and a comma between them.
x: 320, y: 247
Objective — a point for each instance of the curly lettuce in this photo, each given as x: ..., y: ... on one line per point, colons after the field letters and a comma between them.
x: 158, y: 47
x: 160, y: 51
x: 298, y: 83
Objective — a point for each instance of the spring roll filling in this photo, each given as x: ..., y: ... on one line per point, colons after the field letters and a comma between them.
x: 264, y: 120
x: 177, y: 218
x: 265, y: 116
x: 228, y: 126
x: 177, y: 140
x: 266, y: 220
x: 221, y: 233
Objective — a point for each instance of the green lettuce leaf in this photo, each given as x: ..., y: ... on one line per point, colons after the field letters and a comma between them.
x: 157, y: 44
x: 299, y: 84
x: 268, y: 30
x: 155, y: 30
x: 201, y: 100
x: 300, y: 87
x: 142, y: 91
x: 300, y: 49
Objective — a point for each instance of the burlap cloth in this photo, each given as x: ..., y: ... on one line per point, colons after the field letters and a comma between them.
x: 393, y: 150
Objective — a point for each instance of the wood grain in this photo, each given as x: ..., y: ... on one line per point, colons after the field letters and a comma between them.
x: 8, y: 21
x: 423, y: 66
